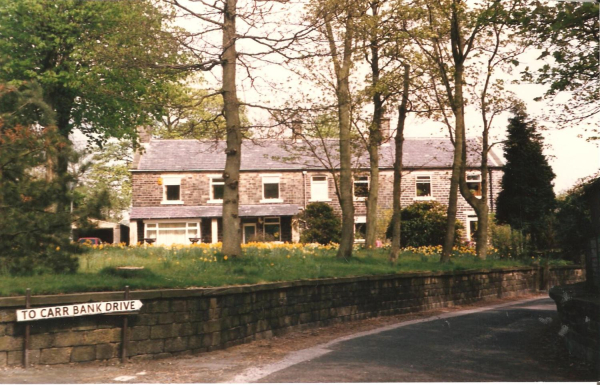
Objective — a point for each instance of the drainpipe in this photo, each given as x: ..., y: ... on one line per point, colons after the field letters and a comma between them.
x: 304, y: 173
x: 491, y: 191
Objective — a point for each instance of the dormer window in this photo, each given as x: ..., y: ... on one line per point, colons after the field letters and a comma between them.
x: 171, y: 190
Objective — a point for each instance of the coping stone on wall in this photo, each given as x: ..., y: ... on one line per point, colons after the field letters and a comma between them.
x: 36, y: 300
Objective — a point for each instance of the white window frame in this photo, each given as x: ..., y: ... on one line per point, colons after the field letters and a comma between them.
x: 271, y: 179
x: 471, y: 217
x: 244, y: 225
x: 273, y: 221
x: 424, y: 197
x: 322, y: 186
x: 354, y: 181
x: 154, y: 225
x: 479, y: 180
x: 212, y: 192
x: 171, y: 180
x: 359, y: 219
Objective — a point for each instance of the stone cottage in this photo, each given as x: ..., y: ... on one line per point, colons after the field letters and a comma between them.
x: 178, y: 186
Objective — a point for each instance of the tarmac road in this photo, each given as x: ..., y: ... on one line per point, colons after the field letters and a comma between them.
x: 495, y: 340
x: 513, y: 343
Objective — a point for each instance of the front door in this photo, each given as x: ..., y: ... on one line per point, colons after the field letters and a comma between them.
x: 249, y: 232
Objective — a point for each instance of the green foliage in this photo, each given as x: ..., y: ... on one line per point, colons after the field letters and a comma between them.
x: 527, y: 199
x: 105, y: 180
x: 567, y: 34
x: 206, y: 266
x: 114, y: 271
x: 322, y: 225
x: 191, y: 114
x: 100, y: 63
x: 509, y: 243
x: 424, y: 224
x: 573, y: 221
x: 34, y: 237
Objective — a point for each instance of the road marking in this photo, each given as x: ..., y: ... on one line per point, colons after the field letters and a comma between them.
x: 125, y: 378
x: 255, y: 374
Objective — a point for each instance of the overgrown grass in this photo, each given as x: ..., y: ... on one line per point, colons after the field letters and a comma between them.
x: 205, y: 266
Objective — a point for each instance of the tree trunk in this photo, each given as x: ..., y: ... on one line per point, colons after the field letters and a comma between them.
x: 342, y: 73
x: 480, y: 205
x: 372, y: 199
x: 458, y: 108
x: 232, y: 234
x: 397, y: 190
x: 58, y: 168
x: 374, y: 142
x: 346, y: 195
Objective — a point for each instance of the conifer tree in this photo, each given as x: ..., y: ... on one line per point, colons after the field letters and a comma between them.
x: 527, y: 198
x: 34, y: 238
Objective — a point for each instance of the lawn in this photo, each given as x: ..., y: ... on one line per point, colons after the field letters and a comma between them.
x: 205, y: 266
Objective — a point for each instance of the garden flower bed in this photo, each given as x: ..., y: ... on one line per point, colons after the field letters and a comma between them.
x: 203, y: 265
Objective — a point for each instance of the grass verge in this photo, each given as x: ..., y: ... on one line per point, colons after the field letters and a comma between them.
x: 205, y: 266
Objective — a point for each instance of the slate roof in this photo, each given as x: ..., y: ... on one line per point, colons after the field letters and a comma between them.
x: 179, y: 212
x: 281, y: 154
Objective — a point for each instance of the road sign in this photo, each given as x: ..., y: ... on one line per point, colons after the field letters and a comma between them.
x: 78, y: 310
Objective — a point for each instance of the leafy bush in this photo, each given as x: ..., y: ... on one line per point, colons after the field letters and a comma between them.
x: 573, y: 223
x: 510, y: 243
x: 424, y: 224
x: 262, y: 237
x: 322, y: 225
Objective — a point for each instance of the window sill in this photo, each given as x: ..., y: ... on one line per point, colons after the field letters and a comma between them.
x: 214, y: 201
x: 319, y: 200
x: 360, y: 199
x: 271, y: 201
x: 424, y: 198
x: 171, y: 202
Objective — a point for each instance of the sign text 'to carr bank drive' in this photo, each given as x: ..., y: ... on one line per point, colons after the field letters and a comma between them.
x: 78, y: 310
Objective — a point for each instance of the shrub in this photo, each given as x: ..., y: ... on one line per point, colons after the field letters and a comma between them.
x: 510, y: 243
x: 40, y: 260
x: 573, y: 224
x: 424, y: 224
x: 322, y: 225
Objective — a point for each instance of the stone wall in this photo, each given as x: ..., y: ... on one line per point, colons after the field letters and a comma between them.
x: 173, y: 322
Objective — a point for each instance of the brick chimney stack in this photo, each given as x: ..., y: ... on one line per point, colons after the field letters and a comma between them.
x: 386, y: 131
x: 297, y: 129
x: 144, y: 136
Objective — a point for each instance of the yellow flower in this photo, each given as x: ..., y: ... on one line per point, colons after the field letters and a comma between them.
x: 57, y: 248
x: 272, y: 264
x: 288, y: 256
x: 225, y: 258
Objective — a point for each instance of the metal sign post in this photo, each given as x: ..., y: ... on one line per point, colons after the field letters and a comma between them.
x: 27, y: 330
x: 125, y: 338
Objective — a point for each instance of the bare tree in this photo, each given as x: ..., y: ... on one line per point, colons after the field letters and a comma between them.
x: 447, y: 37
x: 397, y: 189
x: 252, y: 22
